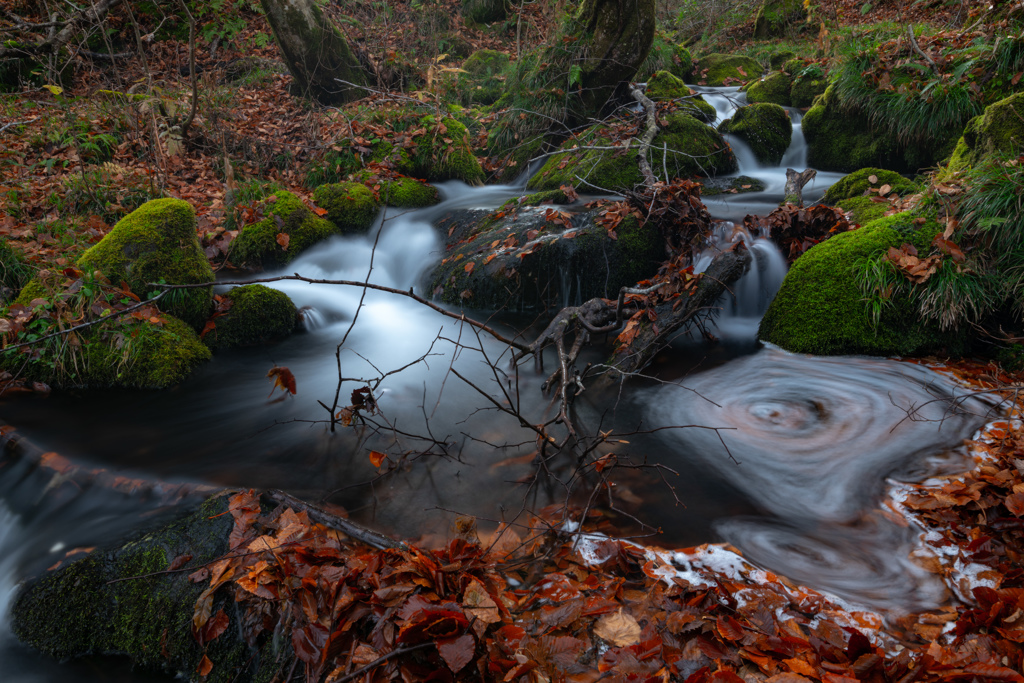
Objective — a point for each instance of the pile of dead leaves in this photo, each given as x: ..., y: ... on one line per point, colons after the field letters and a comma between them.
x: 796, y: 229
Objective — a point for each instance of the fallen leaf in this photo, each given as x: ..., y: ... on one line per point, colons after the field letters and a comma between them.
x: 376, y: 458
x: 618, y: 629
x: 283, y: 378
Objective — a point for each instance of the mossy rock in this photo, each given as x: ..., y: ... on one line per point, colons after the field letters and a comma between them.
x: 123, y: 601
x: 122, y: 353
x: 1000, y: 129
x: 536, y: 199
x: 436, y: 159
x: 858, y: 183
x: 665, y: 55
x: 765, y: 127
x: 862, y: 210
x: 662, y: 85
x: 547, y: 262
x: 405, y: 192
x: 14, y: 272
x: 778, y: 60
x: 773, y: 89
x: 842, y: 140
x: 738, y: 185
x: 484, y: 79
x: 775, y: 17
x: 157, y: 242
x: 258, y: 315
x: 257, y: 247
x: 805, y: 90
x: 821, y: 310
x: 352, y: 207
x: 718, y: 69
x: 694, y: 149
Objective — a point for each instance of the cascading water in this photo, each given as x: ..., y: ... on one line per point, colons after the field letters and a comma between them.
x: 796, y: 502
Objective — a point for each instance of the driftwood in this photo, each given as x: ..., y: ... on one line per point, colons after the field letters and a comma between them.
x: 725, y: 269
x: 794, y: 193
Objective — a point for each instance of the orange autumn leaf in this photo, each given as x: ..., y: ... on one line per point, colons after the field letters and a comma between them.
x: 205, y: 667
x: 282, y: 239
x: 283, y: 378
x: 319, y: 212
x: 376, y: 458
x: 469, y: 266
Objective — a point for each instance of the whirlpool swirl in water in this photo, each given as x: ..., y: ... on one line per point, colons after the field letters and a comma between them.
x: 814, y: 437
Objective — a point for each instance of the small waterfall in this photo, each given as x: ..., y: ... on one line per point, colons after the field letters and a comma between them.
x: 746, y: 162
x: 796, y: 155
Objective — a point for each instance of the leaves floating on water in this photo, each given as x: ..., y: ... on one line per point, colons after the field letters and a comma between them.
x: 283, y: 379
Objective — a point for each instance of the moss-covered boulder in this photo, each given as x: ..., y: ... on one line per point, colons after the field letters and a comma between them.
x: 124, y: 352
x: 484, y: 79
x: 444, y: 153
x: 775, y: 17
x: 765, y: 127
x: 778, y: 60
x: 858, y: 184
x: 863, y: 210
x: 718, y: 69
x: 806, y: 89
x: 820, y: 308
x: 259, y: 246
x: 352, y: 207
x: 539, y: 257
x: 402, y: 192
x: 694, y: 149
x: 157, y: 243
x: 257, y: 315
x: 666, y: 55
x: 773, y: 88
x: 999, y: 129
x: 123, y: 601
x: 662, y: 85
x: 839, y: 139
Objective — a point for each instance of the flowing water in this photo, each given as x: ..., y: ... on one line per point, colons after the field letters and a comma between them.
x: 786, y: 455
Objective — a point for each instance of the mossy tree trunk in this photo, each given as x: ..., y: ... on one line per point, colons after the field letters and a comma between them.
x: 569, y: 82
x: 317, y: 55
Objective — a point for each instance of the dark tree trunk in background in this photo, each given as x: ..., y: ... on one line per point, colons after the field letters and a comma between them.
x: 485, y: 11
x: 315, y: 52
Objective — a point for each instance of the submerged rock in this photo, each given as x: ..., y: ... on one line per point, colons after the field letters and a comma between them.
x: 820, y: 308
x: 528, y: 257
x: 258, y: 315
x: 157, y: 243
x: 259, y: 246
x: 765, y: 127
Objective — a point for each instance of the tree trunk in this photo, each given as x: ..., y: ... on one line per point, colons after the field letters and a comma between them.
x: 570, y: 81
x: 315, y: 52
x: 485, y: 11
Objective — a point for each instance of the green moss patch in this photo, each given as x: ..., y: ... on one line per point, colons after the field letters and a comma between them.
x: 157, y: 242
x: 820, y: 308
x: 694, y: 149
x: 718, y: 69
x: 858, y: 183
x: 402, y: 192
x: 1000, y: 129
x: 257, y: 246
x: 444, y: 153
x: 776, y: 17
x: 666, y: 55
x: 258, y: 315
x: 774, y: 89
x: 484, y: 79
x: 765, y: 127
x: 863, y: 210
x: 352, y: 207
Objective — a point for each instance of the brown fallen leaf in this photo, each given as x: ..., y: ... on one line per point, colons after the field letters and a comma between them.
x: 618, y: 629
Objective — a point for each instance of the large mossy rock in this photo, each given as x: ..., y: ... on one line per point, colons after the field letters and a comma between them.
x: 402, y: 192
x: 352, y: 207
x: 773, y: 89
x: 123, y: 601
x: 157, y: 243
x: 484, y: 79
x: 717, y: 69
x: 842, y: 140
x: 257, y: 246
x: 1000, y: 129
x: 538, y: 261
x: 765, y: 127
x: 775, y: 17
x: 444, y: 153
x: 694, y: 149
x: 820, y: 308
x: 258, y: 315
x: 663, y: 86
x: 858, y: 184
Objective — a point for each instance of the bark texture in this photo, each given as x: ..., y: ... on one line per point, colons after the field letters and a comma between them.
x: 316, y: 54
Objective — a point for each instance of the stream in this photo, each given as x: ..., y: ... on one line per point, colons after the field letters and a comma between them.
x: 787, y: 456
